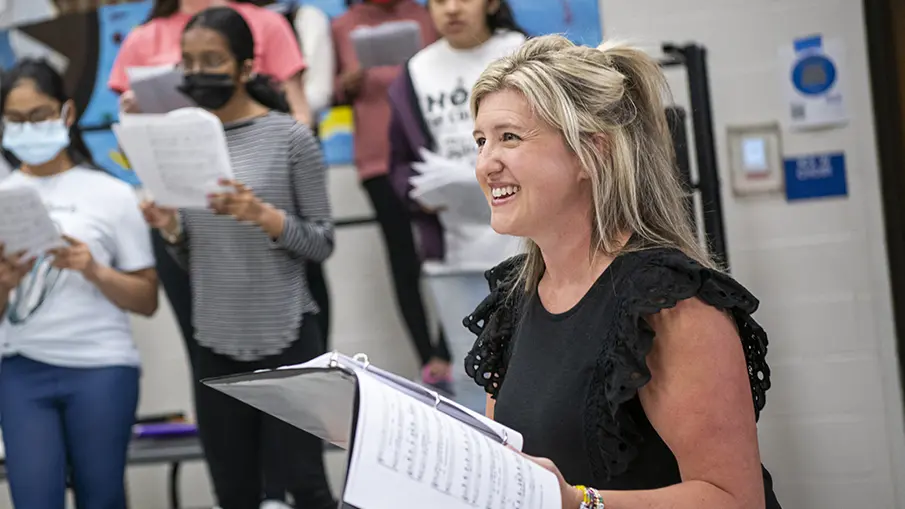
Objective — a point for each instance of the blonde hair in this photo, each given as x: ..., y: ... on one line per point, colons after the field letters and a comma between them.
x: 610, y: 96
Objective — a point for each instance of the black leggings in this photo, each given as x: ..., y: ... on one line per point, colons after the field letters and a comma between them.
x: 396, y: 226
x: 244, y: 446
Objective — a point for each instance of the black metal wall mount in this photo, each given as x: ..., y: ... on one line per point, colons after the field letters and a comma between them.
x: 694, y: 58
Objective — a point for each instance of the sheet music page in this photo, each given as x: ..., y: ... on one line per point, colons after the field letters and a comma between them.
x: 155, y: 88
x: 25, y: 223
x: 407, y: 454
x: 458, y: 197
x: 179, y: 157
x: 391, y: 43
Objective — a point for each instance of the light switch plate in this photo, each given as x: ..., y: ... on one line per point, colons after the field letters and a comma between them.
x: 755, y: 158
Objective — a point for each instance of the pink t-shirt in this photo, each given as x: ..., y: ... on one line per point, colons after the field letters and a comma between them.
x: 158, y: 42
x: 371, y: 108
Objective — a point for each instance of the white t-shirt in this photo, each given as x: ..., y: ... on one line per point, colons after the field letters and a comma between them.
x: 442, y: 77
x: 77, y: 326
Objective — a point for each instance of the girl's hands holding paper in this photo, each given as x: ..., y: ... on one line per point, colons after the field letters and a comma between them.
x: 76, y: 256
x: 242, y: 204
x: 13, y: 268
x: 161, y: 218
x: 164, y: 219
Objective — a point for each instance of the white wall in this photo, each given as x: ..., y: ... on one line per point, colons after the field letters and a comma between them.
x: 832, y: 431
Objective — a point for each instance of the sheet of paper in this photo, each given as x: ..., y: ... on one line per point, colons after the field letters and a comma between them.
x: 458, y: 197
x: 25, y: 224
x: 391, y: 43
x: 155, y: 89
x: 179, y: 156
x: 5, y: 169
x: 407, y: 451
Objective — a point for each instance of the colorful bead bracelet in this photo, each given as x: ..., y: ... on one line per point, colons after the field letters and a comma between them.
x: 592, y: 498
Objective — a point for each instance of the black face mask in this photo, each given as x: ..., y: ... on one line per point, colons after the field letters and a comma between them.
x: 209, y: 91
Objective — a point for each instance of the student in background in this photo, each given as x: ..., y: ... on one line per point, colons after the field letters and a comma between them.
x: 312, y: 27
x: 366, y: 90
x: 430, y: 111
x: 70, y: 370
x: 246, y: 257
x: 157, y: 42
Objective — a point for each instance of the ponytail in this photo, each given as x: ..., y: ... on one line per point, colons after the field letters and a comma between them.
x: 263, y: 90
x: 644, y: 87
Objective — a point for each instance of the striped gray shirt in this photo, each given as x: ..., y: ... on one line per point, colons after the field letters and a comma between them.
x: 249, y: 292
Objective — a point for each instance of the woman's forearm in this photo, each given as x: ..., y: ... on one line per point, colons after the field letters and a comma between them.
x: 135, y: 292
x: 685, y: 495
x: 294, y: 89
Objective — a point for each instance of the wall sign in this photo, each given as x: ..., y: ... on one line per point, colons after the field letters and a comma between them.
x: 812, y: 86
x: 815, y: 176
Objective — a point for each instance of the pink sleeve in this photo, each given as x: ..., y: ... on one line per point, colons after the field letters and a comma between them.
x: 281, y: 56
x: 129, y: 56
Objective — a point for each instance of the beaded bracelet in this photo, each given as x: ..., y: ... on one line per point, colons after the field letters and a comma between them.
x: 592, y: 498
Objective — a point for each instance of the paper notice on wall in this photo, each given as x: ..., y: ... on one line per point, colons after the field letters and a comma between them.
x: 813, y: 90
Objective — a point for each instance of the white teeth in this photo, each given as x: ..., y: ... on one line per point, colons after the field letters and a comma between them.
x: 501, y: 192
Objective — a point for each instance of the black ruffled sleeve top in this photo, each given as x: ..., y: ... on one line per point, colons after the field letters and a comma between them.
x: 569, y: 382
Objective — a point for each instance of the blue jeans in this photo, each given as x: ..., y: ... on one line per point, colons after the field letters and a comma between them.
x: 54, y: 418
x: 457, y: 295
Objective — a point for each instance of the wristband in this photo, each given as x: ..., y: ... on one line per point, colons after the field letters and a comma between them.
x: 592, y: 498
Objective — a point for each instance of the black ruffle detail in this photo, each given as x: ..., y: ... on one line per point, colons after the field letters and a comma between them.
x: 493, y: 322
x: 662, y: 280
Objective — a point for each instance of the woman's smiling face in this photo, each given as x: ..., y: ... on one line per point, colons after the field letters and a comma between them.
x: 528, y: 173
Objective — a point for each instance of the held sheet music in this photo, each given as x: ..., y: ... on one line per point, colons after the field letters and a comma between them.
x: 408, y: 446
x: 25, y: 223
x: 179, y: 156
x: 155, y: 88
x: 390, y: 43
x: 407, y: 454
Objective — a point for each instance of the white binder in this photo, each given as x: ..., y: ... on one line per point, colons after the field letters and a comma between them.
x: 408, y: 446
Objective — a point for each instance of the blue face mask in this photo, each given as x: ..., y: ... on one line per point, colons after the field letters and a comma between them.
x: 36, y: 143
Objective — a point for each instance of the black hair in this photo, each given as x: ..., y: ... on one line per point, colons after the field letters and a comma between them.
x: 163, y: 9
x: 235, y: 30
x: 503, y: 19
x: 49, y: 82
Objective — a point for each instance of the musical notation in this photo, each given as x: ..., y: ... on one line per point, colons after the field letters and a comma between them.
x: 25, y: 223
x: 179, y: 157
x: 407, y: 450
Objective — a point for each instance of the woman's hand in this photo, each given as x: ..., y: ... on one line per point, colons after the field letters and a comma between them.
x: 127, y: 102
x: 242, y: 204
x: 351, y: 82
x: 164, y: 219
x: 76, y: 256
x: 572, y: 497
x: 12, y: 270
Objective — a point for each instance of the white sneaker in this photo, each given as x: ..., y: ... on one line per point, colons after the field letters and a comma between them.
x: 274, y: 504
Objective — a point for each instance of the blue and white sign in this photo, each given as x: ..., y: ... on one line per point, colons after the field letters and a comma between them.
x: 811, y: 75
x: 815, y: 176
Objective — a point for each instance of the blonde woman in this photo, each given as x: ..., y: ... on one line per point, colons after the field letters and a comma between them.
x: 630, y: 363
